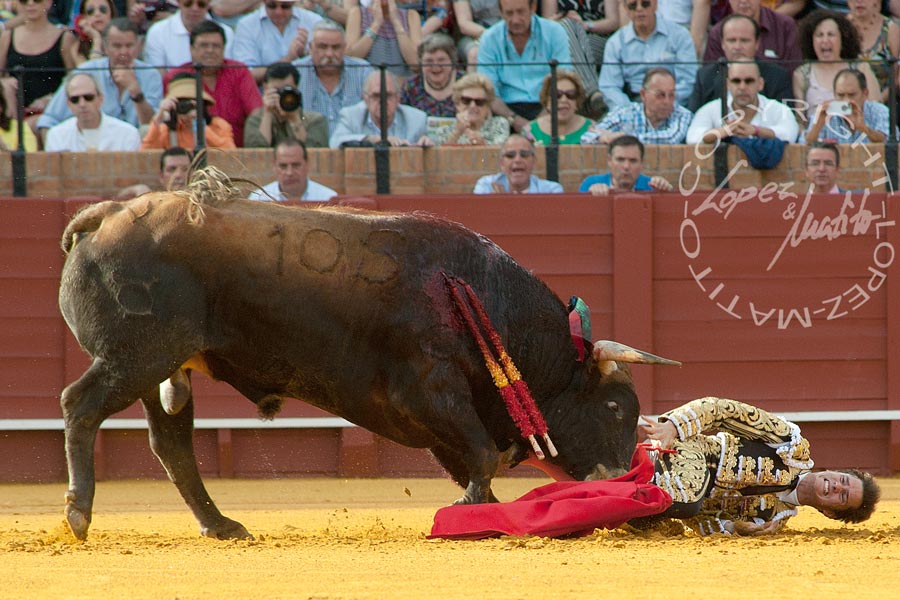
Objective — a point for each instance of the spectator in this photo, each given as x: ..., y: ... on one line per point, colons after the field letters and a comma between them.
x: 282, y: 116
x: 777, y: 37
x: 43, y: 49
x: 145, y: 14
x: 879, y: 38
x: 647, y: 41
x: 277, y: 31
x: 169, y: 41
x: 89, y: 129
x: 436, y: 18
x: 598, y: 18
x: 473, y: 94
x: 328, y: 9
x: 516, y: 174
x: 693, y: 15
x: 292, y: 176
x: 431, y: 89
x: 175, y: 122
x: 508, y: 52
x: 740, y: 41
x: 656, y: 119
x: 93, y: 17
x: 131, y: 90
x: 382, y: 33
x: 823, y: 167
x: 625, y: 160
x: 830, y: 43
x: 9, y: 131
x: 865, y: 120
x: 228, y: 81
x: 473, y: 18
x: 585, y: 62
x: 750, y: 113
x: 174, y: 169
x: 406, y: 126
x: 570, y: 125
x: 330, y: 81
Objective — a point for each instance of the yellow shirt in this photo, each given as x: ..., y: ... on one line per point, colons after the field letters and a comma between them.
x: 11, y: 138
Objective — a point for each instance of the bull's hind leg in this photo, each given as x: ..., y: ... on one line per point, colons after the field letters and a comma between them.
x: 86, y: 403
x: 171, y: 441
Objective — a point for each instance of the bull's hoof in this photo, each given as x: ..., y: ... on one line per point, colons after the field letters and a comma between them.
x: 227, y: 530
x: 466, y: 499
x: 78, y: 522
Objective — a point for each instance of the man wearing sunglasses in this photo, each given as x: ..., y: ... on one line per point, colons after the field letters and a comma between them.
x: 648, y: 40
x: 750, y: 114
x: 277, y: 31
x: 516, y: 176
x: 656, y: 119
x: 361, y: 123
x: 89, y: 129
x: 514, y: 54
x: 168, y: 42
x: 131, y: 91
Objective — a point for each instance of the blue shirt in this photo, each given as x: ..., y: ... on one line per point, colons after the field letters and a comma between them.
x: 627, y: 57
x: 875, y: 114
x: 257, y: 41
x: 641, y: 185
x: 632, y: 120
x: 485, y: 185
x: 115, y: 104
x: 514, y: 78
x: 348, y: 92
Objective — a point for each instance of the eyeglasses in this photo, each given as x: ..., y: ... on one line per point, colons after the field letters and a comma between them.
x: 660, y: 95
x: 467, y: 100
x: 739, y: 81
x: 102, y: 9
x: 511, y: 154
x: 634, y: 5
x: 201, y: 4
x: 376, y: 96
x: 281, y: 5
x: 32, y: 1
x: 209, y: 45
x: 822, y: 163
x: 86, y: 97
x: 570, y: 94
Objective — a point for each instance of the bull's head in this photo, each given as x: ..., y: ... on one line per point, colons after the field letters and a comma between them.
x: 595, y: 431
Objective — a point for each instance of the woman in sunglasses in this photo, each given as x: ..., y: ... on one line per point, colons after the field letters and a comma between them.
x: 475, y: 124
x: 569, y: 96
x: 93, y: 17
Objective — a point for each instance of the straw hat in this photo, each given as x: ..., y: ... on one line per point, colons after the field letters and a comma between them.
x: 187, y: 88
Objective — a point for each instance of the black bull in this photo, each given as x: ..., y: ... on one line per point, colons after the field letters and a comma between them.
x: 346, y: 310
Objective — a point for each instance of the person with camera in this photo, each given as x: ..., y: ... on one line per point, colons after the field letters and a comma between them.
x: 282, y: 116
x: 851, y: 115
x: 175, y: 122
x: 228, y: 81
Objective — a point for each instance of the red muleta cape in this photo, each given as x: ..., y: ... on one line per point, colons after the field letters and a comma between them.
x: 562, y: 508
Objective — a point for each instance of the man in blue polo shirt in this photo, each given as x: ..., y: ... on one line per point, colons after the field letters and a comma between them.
x: 514, y: 53
x: 625, y: 160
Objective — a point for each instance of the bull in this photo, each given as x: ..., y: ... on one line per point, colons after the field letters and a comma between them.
x: 345, y: 309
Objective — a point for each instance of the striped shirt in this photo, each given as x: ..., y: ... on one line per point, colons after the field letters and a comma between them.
x: 632, y: 120
x: 348, y: 92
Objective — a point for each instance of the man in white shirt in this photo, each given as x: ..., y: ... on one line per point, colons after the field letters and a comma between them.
x: 750, y: 114
x: 292, y: 172
x: 89, y: 129
x: 168, y: 42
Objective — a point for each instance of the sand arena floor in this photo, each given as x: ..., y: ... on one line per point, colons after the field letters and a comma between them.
x: 343, y: 539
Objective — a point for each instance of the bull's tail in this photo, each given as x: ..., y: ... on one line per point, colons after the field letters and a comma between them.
x: 85, y: 221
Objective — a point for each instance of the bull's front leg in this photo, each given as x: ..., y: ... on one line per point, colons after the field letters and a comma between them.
x: 86, y: 403
x: 172, y: 443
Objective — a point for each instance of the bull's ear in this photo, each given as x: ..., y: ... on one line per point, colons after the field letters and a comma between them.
x: 607, y: 352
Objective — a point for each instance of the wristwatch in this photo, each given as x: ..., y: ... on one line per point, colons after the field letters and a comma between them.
x: 138, y: 99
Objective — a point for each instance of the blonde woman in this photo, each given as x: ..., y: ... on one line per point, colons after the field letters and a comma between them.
x: 569, y: 96
x: 475, y: 124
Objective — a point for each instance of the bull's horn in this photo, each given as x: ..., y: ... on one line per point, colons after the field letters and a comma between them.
x: 607, y: 352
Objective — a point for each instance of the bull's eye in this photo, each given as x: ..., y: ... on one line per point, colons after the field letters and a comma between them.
x: 613, y: 406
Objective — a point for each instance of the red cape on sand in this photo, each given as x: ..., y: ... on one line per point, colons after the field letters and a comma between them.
x: 562, y: 508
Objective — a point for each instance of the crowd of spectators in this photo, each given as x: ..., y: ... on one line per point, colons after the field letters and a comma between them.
x: 111, y: 74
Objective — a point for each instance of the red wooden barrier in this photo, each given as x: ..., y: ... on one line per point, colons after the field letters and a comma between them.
x: 659, y: 272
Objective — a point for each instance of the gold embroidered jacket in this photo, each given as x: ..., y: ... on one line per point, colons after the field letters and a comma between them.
x: 742, y: 448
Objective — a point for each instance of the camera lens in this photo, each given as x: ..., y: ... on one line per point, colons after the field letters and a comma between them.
x: 184, y: 106
x: 289, y: 98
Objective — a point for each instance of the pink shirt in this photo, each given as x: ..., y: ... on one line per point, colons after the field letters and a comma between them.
x: 236, y: 94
